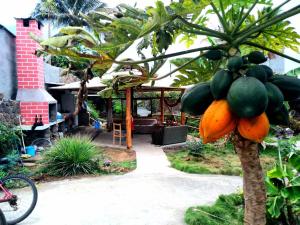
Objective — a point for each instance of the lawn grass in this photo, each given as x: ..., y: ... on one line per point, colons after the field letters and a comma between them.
x: 228, y: 210
x: 217, y: 160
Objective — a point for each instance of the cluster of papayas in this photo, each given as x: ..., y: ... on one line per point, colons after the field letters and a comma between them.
x: 245, y: 95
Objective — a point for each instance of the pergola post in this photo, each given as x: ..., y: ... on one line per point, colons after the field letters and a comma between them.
x: 109, y: 114
x: 162, y: 108
x: 128, y: 119
x: 182, y: 114
x: 182, y: 118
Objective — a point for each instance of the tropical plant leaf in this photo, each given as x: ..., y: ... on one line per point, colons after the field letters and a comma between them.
x: 198, y: 71
x: 296, y: 181
x: 276, y: 172
x: 272, y: 190
x: 292, y: 193
x: 78, y: 31
x: 158, y: 17
x: 294, y: 160
x: 275, y: 205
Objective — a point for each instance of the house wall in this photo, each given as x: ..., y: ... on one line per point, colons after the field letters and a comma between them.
x: 8, y: 80
x: 52, y: 73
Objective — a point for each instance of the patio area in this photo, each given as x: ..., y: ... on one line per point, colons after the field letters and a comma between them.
x: 105, y: 138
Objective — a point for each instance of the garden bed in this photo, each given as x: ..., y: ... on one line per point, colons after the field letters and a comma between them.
x: 216, y: 160
x: 121, y: 161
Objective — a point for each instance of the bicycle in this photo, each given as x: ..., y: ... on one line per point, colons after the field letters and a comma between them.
x: 18, y: 197
x: 2, y: 218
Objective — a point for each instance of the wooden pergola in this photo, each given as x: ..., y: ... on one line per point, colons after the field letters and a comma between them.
x: 95, y: 86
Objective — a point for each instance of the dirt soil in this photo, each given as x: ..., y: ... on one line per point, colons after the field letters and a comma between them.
x: 119, y: 155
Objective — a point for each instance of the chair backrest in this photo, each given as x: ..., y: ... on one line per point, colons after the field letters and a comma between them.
x: 117, y: 127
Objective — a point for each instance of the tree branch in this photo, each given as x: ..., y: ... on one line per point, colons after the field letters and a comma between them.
x: 169, y: 55
x: 263, y: 17
x: 271, y: 50
x: 178, y: 68
x: 196, y: 26
x: 222, y: 21
x: 268, y: 23
x: 243, y: 18
x: 199, y: 32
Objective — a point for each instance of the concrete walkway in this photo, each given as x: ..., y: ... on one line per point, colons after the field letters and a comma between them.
x: 153, y: 194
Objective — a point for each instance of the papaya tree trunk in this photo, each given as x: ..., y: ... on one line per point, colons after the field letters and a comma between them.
x: 253, y: 181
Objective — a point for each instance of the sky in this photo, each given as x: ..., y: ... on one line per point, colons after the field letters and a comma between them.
x: 10, y: 9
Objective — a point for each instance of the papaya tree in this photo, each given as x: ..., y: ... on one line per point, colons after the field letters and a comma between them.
x: 242, y: 98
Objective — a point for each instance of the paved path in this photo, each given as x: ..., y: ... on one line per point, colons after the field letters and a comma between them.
x: 153, y: 194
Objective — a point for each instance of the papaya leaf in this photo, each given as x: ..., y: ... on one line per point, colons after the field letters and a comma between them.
x: 276, y: 172
x: 198, y: 71
x: 296, y: 181
x: 292, y: 193
x: 294, y: 160
x: 272, y: 190
x: 275, y: 205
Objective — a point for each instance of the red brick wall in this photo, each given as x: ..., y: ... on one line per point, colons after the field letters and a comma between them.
x: 30, y: 70
x: 30, y: 109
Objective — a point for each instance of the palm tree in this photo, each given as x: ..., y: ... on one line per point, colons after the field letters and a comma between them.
x: 65, y: 12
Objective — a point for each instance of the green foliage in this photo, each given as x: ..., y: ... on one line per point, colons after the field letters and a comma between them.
x: 294, y: 72
x: 195, y: 148
x: 283, y: 186
x: 60, y: 61
x: 9, y: 139
x: 71, y: 156
x: 92, y: 110
x: 110, y: 34
x: 3, y: 174
x: 65, y: 12
x: 228, y: 210
x: 13, y: 158
x: 198, y: 71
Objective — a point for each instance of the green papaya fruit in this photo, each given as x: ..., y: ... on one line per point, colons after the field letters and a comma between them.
x: 220, y: 84
x: 268, y: 71
x: 279, y: 117
x: 258, y: 72
x: 234, y: 63
x: 213, y: 54
x: 256, y: 57
x: 289, y: 86
x: 196, y: 100
x: 247, y: 97
x: 275, y: 97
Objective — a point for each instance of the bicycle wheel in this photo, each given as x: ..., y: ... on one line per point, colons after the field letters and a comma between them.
x: 2, y: 218
x: 24, y: 198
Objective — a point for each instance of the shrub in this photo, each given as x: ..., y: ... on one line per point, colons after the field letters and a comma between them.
x: 71, y: 156
x: 195, y: 148
x: 227, y: 210
x: 13, y: 158
x: 9, y: 139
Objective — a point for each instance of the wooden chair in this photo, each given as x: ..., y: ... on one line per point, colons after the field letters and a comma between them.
x: 117, y: 133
